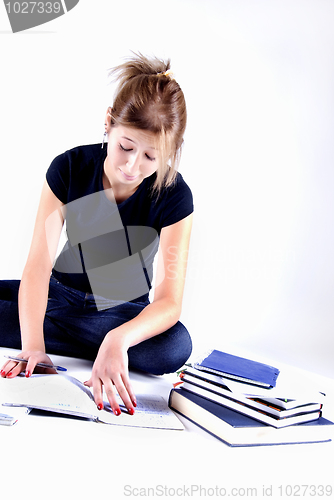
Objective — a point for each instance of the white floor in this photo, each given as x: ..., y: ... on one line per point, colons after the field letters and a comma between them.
x: 61, y: 458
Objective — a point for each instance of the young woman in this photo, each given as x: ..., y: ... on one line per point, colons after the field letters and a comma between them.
x: 121, y: 203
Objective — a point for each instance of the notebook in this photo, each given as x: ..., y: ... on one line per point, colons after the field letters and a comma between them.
x: 237, y: 368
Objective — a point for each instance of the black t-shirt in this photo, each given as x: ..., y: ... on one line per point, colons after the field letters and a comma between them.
x: 110, y: 244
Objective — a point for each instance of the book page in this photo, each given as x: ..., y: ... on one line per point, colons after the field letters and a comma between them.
x: 59, y: 393
x: 67, y: 395
x: 290, y: 384
x: 151, y: 411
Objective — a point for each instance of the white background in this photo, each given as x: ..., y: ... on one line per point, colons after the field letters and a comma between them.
x: 258, y: 79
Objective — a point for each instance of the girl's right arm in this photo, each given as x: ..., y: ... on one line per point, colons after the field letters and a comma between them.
x: 33, y: 292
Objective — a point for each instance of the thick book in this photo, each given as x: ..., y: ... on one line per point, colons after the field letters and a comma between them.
x: 246, y: 409
x: 236, y: 429
x: 272, y: 407
x: 66, y: 395
x: 237, y: 368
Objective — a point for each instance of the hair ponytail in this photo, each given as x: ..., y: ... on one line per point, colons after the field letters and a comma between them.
x: 138, y: 65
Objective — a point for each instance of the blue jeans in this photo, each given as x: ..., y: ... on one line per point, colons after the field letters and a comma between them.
x: 73, y: 326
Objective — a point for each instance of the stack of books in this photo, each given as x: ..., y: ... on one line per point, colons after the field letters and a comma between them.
x: 233, y: 399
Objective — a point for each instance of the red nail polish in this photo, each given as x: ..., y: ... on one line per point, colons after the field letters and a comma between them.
x: 131, y: 411
x: 100, y: 406
x: 117, y: 412
x: 28, y: 374
x: 134, y: 403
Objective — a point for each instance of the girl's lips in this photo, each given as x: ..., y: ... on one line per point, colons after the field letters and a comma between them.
x: 129, y: 177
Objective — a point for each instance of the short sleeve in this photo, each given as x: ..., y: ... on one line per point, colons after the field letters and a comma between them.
x: 179, y: 202
x: 57, y: 177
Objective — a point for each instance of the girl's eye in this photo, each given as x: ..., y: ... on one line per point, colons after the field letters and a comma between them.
x: 124, y: 149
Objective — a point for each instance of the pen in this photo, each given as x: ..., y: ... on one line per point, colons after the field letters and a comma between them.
x: 41, y: 365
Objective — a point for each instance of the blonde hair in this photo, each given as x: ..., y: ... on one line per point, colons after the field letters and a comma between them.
x: 149, y: 98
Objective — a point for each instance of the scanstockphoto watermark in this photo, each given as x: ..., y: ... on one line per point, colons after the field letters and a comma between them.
x: 123, y: 263
x: 231, y: 263
x: 187, y: 491
x: 196, y: 490
x: 24, y: 15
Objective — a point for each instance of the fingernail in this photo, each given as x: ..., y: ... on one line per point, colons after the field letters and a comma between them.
x: 100, y: 406
x: 131, y: 411
x: 134, y: 403
x: 117, y: 412
x: 2, y: 373
x: 28, y: 374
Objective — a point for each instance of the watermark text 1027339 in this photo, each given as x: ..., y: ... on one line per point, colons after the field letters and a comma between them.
x: 24, y: 15
x: 215, y: 491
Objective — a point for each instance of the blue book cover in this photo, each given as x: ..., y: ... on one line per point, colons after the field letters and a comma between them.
x: 237, y: 368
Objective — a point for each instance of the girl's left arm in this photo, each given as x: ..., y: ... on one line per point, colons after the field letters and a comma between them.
x: 111, y: 365
x: 165, y: 309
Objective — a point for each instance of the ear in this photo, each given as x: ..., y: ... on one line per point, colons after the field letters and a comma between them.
x: 108, y: 120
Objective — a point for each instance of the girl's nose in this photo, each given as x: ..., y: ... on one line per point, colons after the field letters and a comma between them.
x: 132, y: 161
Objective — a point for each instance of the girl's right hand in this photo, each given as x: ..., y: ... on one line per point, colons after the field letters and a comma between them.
x: 13, y: 368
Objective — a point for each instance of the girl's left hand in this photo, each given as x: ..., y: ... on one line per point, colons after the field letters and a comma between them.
x: 110, y: 370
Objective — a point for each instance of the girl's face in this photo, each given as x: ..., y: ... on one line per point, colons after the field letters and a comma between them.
x: 131, y: 157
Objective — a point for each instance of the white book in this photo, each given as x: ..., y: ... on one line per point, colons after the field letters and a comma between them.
x: 272, y: 408
x: 292, y: 389
x: 251, y: 412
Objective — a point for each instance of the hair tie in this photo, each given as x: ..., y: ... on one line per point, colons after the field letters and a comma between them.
x: 169, y: 73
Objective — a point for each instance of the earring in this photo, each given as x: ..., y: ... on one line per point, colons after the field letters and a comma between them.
x: 104, y: 139
x: 105, y: 135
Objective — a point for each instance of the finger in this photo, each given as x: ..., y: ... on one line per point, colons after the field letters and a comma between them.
x: 88, y: 383
x: 109, y: 387
x: 7, y: 367
x: 97, y: 391
x: 4, y: 369
x: 124, y: 395
x: 30, y: 366
x: 130, y: 391
x: 13, y: 369
x: 4, y: 366
x: 98, y: 400
x: 128, y: 387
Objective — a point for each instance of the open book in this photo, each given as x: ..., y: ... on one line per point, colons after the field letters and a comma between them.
x: 67, y: 395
